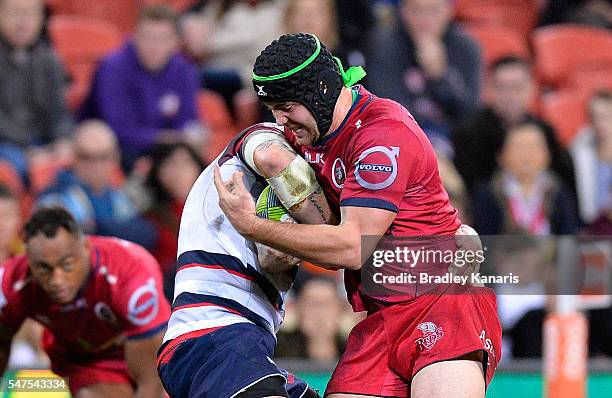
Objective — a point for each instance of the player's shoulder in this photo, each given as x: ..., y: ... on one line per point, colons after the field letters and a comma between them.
x: 381, y: 112
x: 14, y: 282
x: 385, y: 122
x: 120, y: 256
x: 14, y: 270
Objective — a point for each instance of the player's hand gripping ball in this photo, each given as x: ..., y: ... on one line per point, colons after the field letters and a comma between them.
x: 270, y: 207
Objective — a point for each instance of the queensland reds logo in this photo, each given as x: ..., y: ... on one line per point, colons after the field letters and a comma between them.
x: 431, y: 334
x: 376, y: 167
x: 143, y: 304
x: 338, y: 173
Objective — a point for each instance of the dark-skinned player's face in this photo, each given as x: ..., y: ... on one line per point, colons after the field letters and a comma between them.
x: 297, y: 118
x: 60, y: 265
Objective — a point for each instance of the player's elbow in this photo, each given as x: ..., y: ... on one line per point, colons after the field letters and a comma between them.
x: 272, y: 159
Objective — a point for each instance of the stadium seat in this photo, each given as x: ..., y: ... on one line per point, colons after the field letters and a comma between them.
x: 589, y: 81
x: 80, y: 43
x: 497, y: 42
x: 561, y: 50
x: 43, y: 170
x: 518, y: 15
x: 120, y: 13
x: 10, y: 178
x: 57, y: 7
x: 566, y: 111
x: 214, y: 114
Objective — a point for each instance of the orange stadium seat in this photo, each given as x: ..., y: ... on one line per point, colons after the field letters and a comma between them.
x: 10, y: 178
x: 121, y: 13
x: 214, y: 114
x: 80, y: 43
x: 518, y: 15
x: 566, y: 111
x: 497, y: 41
x: 43, y: 170
x: 57, y: 7
x: 561, y: 50
x: 589, y: 81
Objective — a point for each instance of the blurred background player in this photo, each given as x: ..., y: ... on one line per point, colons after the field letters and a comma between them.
x: 344, y: 131
x: 100, y: 300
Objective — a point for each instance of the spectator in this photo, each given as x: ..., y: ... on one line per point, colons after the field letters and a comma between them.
x: 228, y: 34
x: 225, y: 36
x: 87, y: 192
x: 319, y: 312
x: 354, y: 26
x: 479, y: 139
x: 175, y: 168
x: 10, y: 224
x: 427, y: 64
x: 320, y: 17
x: 525, y: 196
x: 146, y: 90
x: 591, y: 151
x: 314, y: 16
x: 32, y: 106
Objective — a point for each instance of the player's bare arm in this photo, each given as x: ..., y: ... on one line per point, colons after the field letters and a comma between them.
x: 141, y: 356
x: 6, y: 338
x: 329, y: 246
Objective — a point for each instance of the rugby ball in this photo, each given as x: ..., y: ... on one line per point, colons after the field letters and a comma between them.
x: 270, y: 207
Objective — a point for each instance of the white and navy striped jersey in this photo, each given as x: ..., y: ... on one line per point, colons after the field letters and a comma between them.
x: 219, y: 281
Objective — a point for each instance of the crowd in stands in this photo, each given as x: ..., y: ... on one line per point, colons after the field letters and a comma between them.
x: 112, y: 112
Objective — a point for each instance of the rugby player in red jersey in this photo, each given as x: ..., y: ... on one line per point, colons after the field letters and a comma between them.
x: 379, y: 173
x: 100, y: 300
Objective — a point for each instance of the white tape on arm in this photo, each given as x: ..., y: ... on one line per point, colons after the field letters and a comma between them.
x: 295, y: 183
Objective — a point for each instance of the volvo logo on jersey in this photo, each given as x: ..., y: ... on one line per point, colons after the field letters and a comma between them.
x: 376, y: 167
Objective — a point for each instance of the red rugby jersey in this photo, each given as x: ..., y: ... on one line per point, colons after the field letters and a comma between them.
x: 380, y: 158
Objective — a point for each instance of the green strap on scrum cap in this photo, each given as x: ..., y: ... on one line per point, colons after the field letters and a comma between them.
x: 349, y: 77
x: 352, y: 75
